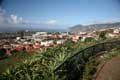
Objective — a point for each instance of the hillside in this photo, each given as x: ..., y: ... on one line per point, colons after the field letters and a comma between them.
x: 92, y: 27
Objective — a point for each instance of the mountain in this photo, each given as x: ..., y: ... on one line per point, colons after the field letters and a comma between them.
x: 92, y: 27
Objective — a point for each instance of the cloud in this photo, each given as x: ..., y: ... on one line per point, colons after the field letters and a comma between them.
x: 51, y: 22
x: 14, y: 22
x: 109, y: 20
x: 2, y: 16
x: 10, y: 19
x: 15, y: 19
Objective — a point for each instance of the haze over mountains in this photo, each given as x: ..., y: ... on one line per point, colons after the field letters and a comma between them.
x: 92, y: 27
x: 20, y: 28
x: 10, y: 27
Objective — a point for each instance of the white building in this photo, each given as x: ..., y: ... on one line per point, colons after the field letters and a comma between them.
x: 60, y: 41
x: 18, y: 38
x: 47, y: 43
x: 116, y: 31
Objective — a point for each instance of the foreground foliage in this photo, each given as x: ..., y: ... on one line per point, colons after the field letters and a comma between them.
x: 41, y: 65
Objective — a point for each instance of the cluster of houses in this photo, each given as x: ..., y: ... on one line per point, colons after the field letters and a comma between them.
x: 110, y: 34
x: 29, y: 43
x: 40, y: 40
x: 115, y: 33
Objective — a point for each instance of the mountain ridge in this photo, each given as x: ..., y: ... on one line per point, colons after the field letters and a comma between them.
x: 93, y: 27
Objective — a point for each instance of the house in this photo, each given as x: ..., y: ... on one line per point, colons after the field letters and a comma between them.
x: 18, y: 48
x: 112, y: 35
x: 88, y: 36
x: 60, y: 41
x: 36, y: 45
x: 83, y: 38
x: 83, y: 33
x: 102, y: 30
x: 47, y: 43
x: 29, y: 48
x: 116, y: 31
x: 41, y: 35
x: 18, y: 38
x: 75, y: 38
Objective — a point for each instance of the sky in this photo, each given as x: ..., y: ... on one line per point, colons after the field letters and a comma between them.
x: 57, y: 14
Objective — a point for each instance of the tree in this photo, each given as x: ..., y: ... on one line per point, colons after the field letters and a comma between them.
x: 102, y: 35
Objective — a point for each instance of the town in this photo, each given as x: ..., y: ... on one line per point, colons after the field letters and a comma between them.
x: 59, y: 39
x: 28, y: 41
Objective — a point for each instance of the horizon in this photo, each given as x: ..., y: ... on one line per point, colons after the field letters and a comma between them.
x: 56, y: 15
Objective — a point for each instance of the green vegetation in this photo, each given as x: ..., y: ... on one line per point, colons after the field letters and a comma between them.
x: 102, y: 35
x: 39, y: 65
x: 90, y: 68
x: 15, y: 59
x: 95, y: 62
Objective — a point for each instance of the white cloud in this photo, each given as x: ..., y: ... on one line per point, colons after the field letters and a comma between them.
x: 51, y: 22
x: 9, y: 19
x: 15, y: 19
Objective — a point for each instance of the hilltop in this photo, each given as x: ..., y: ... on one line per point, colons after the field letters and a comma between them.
x: 92, y: 27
